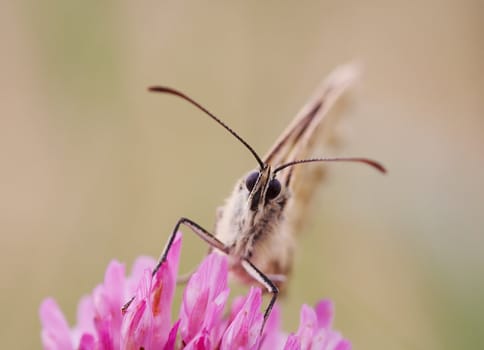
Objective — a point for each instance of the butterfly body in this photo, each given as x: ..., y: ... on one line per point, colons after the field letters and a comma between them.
x: 253, y: 227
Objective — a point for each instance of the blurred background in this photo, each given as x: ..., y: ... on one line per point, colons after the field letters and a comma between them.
x: 94, y: 168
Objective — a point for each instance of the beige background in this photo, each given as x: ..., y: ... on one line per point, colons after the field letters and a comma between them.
x: 95, y: 168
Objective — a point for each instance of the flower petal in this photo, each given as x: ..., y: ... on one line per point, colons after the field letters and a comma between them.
x: 307, y: 326
x: 204, y: 298
x: 293, y: 343
x: 108, y: 299
x: 324, y: 312
x: 146, y: 323
x: 200, y: 342
x: 104, y: 333
x: 140, y: 265
x: 244, y: 331
x: 87, y: 342
x: 171, y: 342
x: 55, y: 330
x: 85, y: 320
x: 162, y: 291
x: 137, y: 326
x: 272, y: 337
x: 344, y: 344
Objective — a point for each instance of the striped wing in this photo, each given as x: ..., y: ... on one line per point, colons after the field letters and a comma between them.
x: 301, y: 138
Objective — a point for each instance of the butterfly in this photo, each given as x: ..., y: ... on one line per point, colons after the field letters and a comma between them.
x: 257, y: 225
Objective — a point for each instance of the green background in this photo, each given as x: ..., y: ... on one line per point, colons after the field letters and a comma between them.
x: 94, y: 168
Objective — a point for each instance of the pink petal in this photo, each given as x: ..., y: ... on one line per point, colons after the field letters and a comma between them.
x: 315, y: 328
x: 104, y: 333
x: 141, y: 264
x: 293, y: 343
x: 324, y: 312
x: 307, y: 326
x: 147, y: 321
x: 196, y: 318
x: 87, y: 342
x: 332, y: 339
x: 321, y: 340
x: 343, y: 345
x: 244, y: 331
x: 108, y: 299
x: 137, y: 326
x: 200, y: 342
x: 204, y: 297
x: 171, y: 342
x: 85, y: 320
x: 85, y: 314
x: 162, y: 291
x: 114, y: 283
x: 272, y: 337
x: 55, y: 330
x: 140, y: 331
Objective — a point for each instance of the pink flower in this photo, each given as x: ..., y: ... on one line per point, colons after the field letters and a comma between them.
x: 200, y: 325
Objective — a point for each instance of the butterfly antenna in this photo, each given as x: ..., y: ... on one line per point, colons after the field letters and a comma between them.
x: 171, y: 91
x: 366, y: 161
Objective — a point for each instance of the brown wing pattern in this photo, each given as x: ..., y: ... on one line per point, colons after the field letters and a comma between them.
x: 301, y: 137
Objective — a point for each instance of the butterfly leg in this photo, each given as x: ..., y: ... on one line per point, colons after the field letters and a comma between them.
x: 199, y: 231
x: 277, y: 278
x: 260, y: 277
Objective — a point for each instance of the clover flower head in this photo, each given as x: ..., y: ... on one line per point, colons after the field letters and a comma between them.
x: 201, y: 323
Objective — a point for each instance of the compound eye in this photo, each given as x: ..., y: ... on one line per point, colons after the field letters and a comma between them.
x: 273, y: 189
x: 251, y: 180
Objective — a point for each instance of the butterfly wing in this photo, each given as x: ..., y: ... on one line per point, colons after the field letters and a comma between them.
x: 301, y: 138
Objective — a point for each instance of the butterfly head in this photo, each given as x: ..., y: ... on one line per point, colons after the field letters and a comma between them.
x: 263, y: 187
